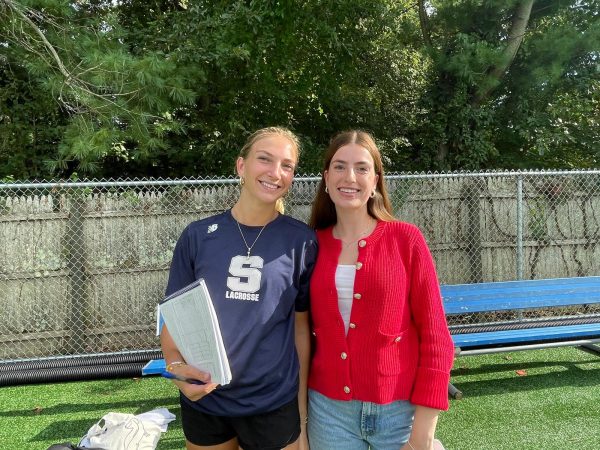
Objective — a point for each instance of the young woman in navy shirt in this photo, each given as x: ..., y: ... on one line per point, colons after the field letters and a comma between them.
x: 256, y: 263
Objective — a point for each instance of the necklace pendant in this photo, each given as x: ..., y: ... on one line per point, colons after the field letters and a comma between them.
x: 249, y: 247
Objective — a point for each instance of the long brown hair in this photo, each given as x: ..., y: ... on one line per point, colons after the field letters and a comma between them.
x: 266, y: 132
x: 323, y: 212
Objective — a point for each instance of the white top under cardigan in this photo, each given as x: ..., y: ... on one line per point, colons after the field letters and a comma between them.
x: 344, y: 282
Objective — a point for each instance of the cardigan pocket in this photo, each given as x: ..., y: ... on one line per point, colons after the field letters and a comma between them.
x: 393, y: 352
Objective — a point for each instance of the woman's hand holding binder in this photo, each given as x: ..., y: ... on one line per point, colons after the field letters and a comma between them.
x: 196, y: 390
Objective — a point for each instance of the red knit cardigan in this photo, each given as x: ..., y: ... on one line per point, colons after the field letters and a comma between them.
x: 398, y: 346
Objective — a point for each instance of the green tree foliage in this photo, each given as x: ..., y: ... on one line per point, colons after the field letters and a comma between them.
x: 31, y: 125
x: 172, y: 88
x: 513, y: 84
x: 314, y: 66
x: 108, y: 103
x: 554, y: 116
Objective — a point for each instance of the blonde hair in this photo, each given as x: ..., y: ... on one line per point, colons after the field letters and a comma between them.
x: 266, y: 132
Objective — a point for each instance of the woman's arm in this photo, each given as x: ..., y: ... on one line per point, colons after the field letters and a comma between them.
x: 423, y: 431
x: 302, y: 336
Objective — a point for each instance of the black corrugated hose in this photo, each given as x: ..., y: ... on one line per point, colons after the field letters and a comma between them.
x: 466, y: 329
x: 76, y: 368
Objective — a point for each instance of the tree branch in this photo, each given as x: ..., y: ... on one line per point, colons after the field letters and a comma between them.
x: 41, y: 35
x: 74, y: 81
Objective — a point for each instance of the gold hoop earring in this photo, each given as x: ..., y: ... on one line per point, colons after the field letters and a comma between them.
x: 242, y: 181
x: 326, y: 190
x: 373, y: 193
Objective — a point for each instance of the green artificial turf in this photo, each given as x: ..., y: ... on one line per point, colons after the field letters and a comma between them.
x: 544, y: 399
x: 37, y: 416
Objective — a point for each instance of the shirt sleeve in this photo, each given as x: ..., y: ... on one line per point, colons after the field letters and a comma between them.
x: 181, y: 272
x: 436, y: 350
x: 307, y: 265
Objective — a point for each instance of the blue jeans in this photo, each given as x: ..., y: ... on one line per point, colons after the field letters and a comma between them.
x: 356, y: 425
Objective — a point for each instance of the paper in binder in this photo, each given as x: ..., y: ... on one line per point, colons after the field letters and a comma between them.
x: 194, y: 326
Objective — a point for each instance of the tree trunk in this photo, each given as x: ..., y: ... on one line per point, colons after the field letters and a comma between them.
x: 515, y: 38
x: 424, y: 21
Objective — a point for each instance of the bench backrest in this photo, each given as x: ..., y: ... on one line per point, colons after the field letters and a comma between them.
x: 509, y: 295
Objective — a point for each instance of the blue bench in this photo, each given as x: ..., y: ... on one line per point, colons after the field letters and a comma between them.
x: 497, y: 317
x: 154, y: 367
x: 504, y: 306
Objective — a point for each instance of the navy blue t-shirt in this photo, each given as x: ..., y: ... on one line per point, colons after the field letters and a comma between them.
x: 255, y: 299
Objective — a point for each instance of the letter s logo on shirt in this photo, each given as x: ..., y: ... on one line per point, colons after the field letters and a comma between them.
x: 248, y: 268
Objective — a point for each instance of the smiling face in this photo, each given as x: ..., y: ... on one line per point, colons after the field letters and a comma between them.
x: 350, y: 177
x: 268, y: 168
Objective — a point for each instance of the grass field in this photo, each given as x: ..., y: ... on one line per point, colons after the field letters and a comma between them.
x: 545, y: 399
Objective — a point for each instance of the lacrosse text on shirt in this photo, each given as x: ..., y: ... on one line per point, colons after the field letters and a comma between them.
x: 244, y: 282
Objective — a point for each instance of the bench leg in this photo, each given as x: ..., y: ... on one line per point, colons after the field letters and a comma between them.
x: 590, y: 348
x: 454, y: 392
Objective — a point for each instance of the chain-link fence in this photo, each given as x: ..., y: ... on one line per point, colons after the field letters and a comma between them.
x: 83, y: 265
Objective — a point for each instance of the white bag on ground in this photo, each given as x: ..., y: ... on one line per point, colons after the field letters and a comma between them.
x: 120, y: 431
x: 437, y: 445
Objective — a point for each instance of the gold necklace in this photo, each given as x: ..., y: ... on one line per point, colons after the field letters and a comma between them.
x: 360, y: 236
x: 246, y: 243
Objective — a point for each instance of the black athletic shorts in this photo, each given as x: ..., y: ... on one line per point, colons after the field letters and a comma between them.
x: 267, y: 431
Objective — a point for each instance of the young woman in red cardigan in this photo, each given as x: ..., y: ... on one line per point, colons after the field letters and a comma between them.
x: 380, y: 371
